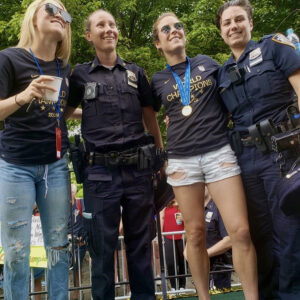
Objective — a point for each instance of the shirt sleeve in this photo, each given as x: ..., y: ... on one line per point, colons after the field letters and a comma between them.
x: 6, y: 76
x: 76, y: 89
x: 157, y: 101
x: 144, y: 90
x: 285, y: 57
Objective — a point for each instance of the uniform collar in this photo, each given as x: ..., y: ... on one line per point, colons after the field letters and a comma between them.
x: 250, y: 46
x: 97, y: 64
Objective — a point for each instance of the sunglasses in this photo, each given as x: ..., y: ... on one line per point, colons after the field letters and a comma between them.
x: 52, y: 10
x: 167, y: 28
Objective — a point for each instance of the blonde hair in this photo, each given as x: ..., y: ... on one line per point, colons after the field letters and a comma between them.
x: 63, y: 49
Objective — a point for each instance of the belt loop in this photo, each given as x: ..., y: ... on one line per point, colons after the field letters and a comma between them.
x: 91, y: 158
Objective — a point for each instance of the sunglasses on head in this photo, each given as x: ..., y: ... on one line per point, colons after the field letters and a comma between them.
x: 167, y: 28
x: 52, y: 10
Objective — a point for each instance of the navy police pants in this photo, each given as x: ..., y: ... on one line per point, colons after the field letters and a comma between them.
x: 276, y: 236
x: 105, y: 190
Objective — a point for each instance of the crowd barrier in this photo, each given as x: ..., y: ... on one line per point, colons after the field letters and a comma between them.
x: 162, y: 284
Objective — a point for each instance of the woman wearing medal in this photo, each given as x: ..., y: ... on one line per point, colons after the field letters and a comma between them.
x: 199, y: 154
x: 33, y: 144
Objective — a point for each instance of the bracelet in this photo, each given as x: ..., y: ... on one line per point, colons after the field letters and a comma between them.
x: 17, y: 102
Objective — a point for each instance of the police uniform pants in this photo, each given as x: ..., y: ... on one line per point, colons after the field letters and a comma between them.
x: 276, y: 236
x: 105, y: 190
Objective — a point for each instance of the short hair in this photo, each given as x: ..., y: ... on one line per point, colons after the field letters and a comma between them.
x: 73, y: 188
x: 27, y: 35
x: 155, y: 25
x: 88, y: 19
x: 245, y: 4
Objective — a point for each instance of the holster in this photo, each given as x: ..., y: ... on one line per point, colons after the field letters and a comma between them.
x: 254, y: 132
x: 151, y: 157
x: 267, y: 130
x: 77, y: 159
x: 235, y: 141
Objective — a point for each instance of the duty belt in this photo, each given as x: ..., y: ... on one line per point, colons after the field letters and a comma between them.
x: 113, y: 158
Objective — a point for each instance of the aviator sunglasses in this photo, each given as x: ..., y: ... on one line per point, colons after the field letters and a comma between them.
x: 52, y: 10
x: 167, y: 28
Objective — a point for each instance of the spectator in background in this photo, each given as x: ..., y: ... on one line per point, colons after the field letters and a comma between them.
x: 78, y: 236
x: 171, y: 220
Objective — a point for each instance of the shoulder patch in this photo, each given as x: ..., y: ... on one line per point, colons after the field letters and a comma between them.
x: 281, y: 39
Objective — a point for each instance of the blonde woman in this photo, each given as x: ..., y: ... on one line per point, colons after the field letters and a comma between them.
x: 33, y: 166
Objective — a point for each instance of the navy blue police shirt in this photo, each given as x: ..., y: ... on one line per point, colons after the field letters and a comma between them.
x: 205, y: 129
x: 264, y: 92
x: 29, y: 137
x: 112, y: 101
x: 215, y: 229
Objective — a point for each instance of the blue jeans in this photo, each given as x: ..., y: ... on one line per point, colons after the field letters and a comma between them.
x: 22, y: 186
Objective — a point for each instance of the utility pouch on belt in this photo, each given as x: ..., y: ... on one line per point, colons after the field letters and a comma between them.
x: 235, y: 141
x: 256, y: 136
x: 151, y: 158
x: 77, y: 158
x: 146, y: 156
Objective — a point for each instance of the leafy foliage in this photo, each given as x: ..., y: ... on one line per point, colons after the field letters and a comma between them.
x: 135, y: 19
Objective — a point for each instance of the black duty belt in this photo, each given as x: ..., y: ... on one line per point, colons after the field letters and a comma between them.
x: 114, y: 158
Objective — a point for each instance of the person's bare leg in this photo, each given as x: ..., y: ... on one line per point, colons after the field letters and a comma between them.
x: 191, y: 204
x: 228, y: 195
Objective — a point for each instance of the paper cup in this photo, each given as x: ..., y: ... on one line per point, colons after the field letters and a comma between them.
x: 56, y: 83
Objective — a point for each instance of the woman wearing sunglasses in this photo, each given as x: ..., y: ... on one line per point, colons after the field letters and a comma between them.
x: 199, y: 154
x: 33, y: 144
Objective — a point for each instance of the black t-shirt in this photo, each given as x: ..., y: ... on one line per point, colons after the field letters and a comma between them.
x: 205, y: 129
x: 112, y: 102
x: 29, y: 137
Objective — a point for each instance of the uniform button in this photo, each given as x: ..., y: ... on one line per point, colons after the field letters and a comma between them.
x: 258, y: 70
x: 110, y: 87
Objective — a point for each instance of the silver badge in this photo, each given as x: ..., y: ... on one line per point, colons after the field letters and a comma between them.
x: 132, y: 81
x: 255, y: 57
x: 208, y: 216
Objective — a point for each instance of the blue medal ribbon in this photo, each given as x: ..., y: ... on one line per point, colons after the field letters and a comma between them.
x: 56, y: 105
x: 184, y: 91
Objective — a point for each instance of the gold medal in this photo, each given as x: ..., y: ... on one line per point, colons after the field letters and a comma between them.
x: 186, y: 110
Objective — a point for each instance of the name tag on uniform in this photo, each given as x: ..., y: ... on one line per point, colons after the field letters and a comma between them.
x: 208, y: 216
x: 132, y: 81
x: 255, y: 57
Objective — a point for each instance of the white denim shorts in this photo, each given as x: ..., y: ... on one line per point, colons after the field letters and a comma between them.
x: 208, y: 167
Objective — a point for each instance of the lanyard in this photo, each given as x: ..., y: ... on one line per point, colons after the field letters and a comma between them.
x: 56, y: 105
x: 184, y: 91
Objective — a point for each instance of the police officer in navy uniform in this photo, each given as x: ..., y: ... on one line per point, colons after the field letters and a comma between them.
x: 257, y: 85
x: 115, y: 97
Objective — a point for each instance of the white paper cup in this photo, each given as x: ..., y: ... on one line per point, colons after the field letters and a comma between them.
x: 56, y: 83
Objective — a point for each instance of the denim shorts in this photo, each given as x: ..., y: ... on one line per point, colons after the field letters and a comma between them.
x: 208, y: 167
